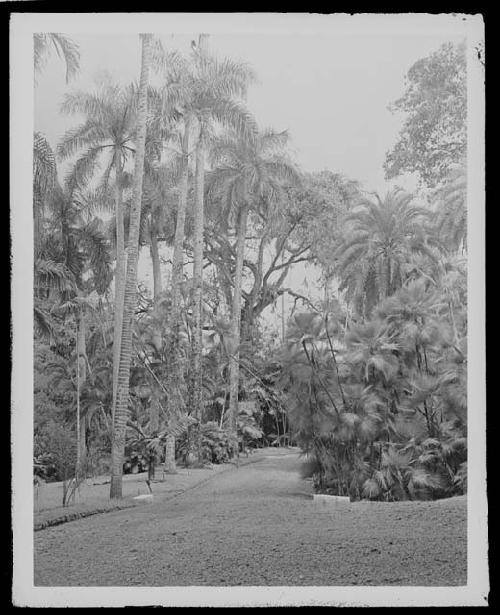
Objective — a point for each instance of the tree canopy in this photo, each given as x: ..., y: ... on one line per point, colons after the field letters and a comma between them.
x: 434, y: 132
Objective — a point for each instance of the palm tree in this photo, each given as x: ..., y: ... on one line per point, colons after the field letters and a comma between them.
x: 158, y: 209
x: 73, y: 262
x: 107, y: 135
x: 204, y: 92
x: 44, y: 178
x: 382, y: 238
x: 250, y: 177
x: 130, y: 299
x: 64, y: 47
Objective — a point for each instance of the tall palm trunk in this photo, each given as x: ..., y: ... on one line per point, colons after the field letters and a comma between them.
x: 175, y: 370
x: 130, y: 300
x: 81, y: 378
x: 178, y: 257
x: 196, y: 393
x: 175, y: 402
x: 234, y: 361
x: 119, y: 276
x: 154, y: 409
x: 196, y: 396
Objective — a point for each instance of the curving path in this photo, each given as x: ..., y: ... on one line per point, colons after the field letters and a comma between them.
x: 257, y: 525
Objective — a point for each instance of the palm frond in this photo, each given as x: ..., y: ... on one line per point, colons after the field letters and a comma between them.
x: 88, y: 134
x: 65, y: 48
x: 231, y: 114
x: 83, y: 170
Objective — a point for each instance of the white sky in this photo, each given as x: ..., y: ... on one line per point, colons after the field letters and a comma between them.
x: 330, y: 89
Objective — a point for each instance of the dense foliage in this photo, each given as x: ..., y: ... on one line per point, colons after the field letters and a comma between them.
x: 369, y: 380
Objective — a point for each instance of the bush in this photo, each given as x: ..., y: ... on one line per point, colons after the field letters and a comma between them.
x: 55, y: 452
x: 135, y: 462
x: 217, y: 444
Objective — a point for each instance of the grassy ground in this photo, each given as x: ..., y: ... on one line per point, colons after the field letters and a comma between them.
x: 258, y: 526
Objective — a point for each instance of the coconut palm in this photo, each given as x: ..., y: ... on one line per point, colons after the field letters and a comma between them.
x: 383, y: 235
x: 130, y: 297
x: 250, y: 177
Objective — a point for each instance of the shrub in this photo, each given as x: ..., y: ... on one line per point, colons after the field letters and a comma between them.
x: 55, y: 456
x: 217, y: 444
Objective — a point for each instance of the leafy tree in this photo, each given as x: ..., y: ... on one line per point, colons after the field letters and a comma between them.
x: 58, y: 439
x: 249, y: 177
x: 434, y: 133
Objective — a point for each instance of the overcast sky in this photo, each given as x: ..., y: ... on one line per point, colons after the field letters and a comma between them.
x: 330, y: 89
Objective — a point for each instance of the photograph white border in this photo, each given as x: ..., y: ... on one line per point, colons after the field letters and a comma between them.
x: 22, y: 27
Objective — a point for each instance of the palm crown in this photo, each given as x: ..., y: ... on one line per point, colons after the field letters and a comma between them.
x: 249, y: 173
x: 383, y: 237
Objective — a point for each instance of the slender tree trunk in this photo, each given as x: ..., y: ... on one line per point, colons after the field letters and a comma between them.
x: 178, y: 257
x: 154, y: 417
x: 196, y: 392
x: 170, y: 466
x: 77, y: 469
x: 130, y: 301
x: 154, y: 425
x: 154, y: 410
x: 234, y: 361
x: 175, y: 371
x: 196, y: 388
x: 119, y: 276
x: 283, y: 319
x: 155, y: 259
x: 82, y: 373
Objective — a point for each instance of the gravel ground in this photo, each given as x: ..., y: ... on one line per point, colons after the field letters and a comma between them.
x: 258, y: 526
x: 93, y: 496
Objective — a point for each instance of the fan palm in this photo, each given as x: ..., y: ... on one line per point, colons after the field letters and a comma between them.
x: 383, y: 236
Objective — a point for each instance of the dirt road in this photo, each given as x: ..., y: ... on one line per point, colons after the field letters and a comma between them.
x: 257, y: 525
